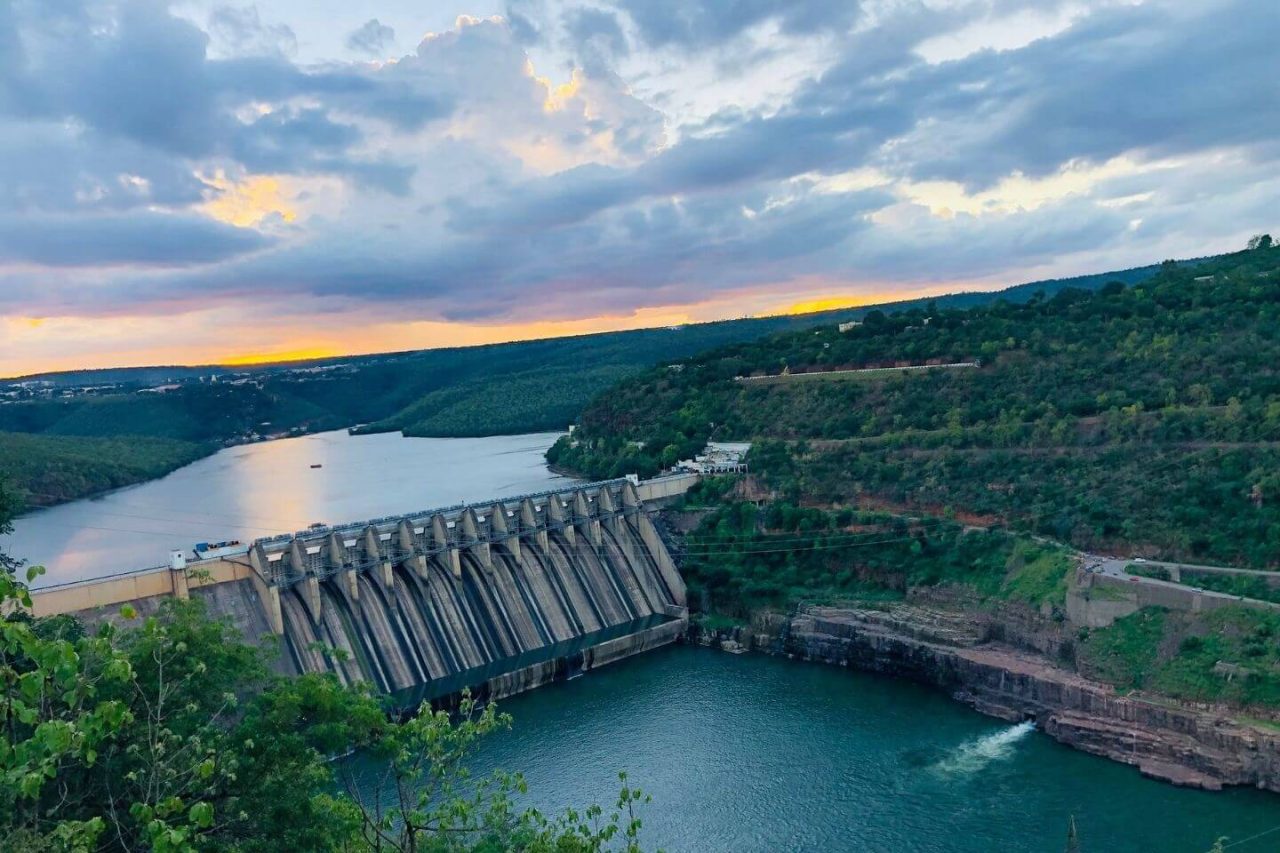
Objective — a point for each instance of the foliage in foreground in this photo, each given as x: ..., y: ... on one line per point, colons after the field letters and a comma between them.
x: 171, y: 735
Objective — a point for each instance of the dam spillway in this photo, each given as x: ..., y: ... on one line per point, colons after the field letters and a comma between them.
x: 499, y: 597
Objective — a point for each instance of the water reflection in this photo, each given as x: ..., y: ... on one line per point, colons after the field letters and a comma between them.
x: 263, y: 489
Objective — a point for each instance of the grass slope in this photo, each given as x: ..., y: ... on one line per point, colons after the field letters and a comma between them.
x: 1229, y: 655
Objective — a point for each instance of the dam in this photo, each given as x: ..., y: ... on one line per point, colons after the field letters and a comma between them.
x: 498, y: 597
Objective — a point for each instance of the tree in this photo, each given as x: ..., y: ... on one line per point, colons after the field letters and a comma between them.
x: 53, y: 717
x: 8, y: 509
x: 135, y: 739
x: 1259, y: 241
x: 420, y: 795
x: 171, y: 735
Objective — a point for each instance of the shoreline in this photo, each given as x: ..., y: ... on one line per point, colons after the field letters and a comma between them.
x: 212, y: 448
x: 1205, y: 748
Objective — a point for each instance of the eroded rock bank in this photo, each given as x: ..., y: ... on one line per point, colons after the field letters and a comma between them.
x: 972, y: 655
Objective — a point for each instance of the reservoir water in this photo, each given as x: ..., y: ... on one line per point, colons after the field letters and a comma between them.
x: 272, y: 487
x: 751, y: 753
x: 740, y: 753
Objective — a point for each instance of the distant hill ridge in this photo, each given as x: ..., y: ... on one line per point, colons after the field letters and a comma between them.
x: 527, y: 386
x: 156, y: 374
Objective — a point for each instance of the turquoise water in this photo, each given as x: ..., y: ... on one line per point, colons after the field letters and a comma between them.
x: 755, y: 753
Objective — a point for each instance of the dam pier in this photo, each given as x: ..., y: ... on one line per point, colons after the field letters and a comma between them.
x: 498, y: 597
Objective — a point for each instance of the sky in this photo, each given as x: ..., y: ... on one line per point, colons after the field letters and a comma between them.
x: 197, y: 182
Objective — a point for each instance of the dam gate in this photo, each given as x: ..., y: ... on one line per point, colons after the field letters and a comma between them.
x: 501, y: 596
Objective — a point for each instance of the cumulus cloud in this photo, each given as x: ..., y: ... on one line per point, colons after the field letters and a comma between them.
x: 597, y: 36
x: 541, y: 165
x: 372, y: 37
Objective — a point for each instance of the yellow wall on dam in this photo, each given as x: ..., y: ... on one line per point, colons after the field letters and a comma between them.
x: 115, y: 591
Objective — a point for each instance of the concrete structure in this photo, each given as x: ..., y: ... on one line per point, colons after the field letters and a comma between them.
x: 662, y: 490
x: 1099, y: 597
x: 499, y: 597
x: 853, y: 373
x: 718, y: 458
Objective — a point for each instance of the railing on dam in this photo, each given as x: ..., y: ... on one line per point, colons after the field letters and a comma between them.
x: 320, y: 529
x: 91, y: 594
x: 322, y: 551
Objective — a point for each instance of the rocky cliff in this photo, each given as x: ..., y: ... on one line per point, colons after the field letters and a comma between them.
x: 954, y: 651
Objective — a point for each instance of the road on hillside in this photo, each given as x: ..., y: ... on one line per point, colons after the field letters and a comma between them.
x: 1117, y: 567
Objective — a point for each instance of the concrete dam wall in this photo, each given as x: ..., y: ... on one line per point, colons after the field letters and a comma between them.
x: 498, y: 598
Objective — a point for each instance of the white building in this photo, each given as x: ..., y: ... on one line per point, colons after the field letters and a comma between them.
x: 719, y: 457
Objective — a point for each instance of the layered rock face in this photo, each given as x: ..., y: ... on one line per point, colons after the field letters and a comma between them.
x: 952, y: 651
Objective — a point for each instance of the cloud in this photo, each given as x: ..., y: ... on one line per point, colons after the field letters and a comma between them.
x: 139, y: 238
x: 372, y: 37
x: 701, y: 23
x: 574, y: 159
x: 240, y: 31
x: 597, y: 35
x: 1155, y: 79
x: 1088, y: 94
x: 47, y: 165
x: 148, y: 79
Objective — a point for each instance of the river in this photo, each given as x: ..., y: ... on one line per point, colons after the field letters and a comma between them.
x: 738, y: 752
x: 271, y: 487
x: 746, y: 753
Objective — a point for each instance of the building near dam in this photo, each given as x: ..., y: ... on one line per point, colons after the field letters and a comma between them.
x: 498, y: 597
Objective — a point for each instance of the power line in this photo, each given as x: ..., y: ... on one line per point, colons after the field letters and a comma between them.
x: 1252, y: 837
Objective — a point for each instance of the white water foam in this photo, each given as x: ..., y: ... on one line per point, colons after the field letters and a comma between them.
x: 970, y: 757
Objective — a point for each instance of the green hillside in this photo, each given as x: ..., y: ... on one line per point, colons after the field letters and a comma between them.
x: 470, y: 391
x: 1143, y: 417
x: 41, y: 470
x: 1138, y: 419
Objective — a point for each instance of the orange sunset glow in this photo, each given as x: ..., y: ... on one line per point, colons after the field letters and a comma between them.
x: 439, y: 177
x: 199, y: 340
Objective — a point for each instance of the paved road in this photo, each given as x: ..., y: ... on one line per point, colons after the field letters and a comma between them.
x: 1116, y: 567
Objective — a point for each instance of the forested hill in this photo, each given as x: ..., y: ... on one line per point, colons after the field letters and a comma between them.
x: 496, y: 389
x: 1141, y: 417
x: 175, y: 414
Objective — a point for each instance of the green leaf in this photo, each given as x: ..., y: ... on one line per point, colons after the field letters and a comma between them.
x: 201, y: 814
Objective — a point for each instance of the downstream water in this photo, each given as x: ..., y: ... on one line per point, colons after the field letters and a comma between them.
x: 746, y: 753
x: 268, y: 488
x: 740, y: 753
